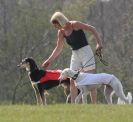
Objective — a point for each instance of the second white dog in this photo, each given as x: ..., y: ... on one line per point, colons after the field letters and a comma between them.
x: 85, y: 81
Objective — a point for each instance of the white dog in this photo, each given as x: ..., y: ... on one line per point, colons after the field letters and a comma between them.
x: 85, y: 81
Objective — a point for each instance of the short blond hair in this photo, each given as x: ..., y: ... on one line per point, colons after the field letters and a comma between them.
x: 60, y: 18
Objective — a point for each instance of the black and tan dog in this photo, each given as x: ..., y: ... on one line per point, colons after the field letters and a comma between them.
x: 39, y: 81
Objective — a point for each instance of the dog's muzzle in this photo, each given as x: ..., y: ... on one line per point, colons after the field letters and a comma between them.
x: 18, y: 65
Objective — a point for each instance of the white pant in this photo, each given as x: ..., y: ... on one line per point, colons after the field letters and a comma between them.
x: 83, y: 57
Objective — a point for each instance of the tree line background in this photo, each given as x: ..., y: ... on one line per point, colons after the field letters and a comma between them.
x: 25, y: 31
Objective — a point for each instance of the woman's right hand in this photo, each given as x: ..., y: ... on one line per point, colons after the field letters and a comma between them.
x: 45, y: 64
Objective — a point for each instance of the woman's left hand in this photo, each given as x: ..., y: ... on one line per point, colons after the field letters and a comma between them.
x: 99, y: 46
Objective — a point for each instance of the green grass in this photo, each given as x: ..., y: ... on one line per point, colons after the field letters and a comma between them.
x: 66, y: 113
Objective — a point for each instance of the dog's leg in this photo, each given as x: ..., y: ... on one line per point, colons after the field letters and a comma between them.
x: 43, y: 97
x: 119, y: 101
x: 73, y: 91
x: 84, y: 94
x: 84, y: 98
x: 37, y: 94
x: 78, y: 98
x: 68, y: 98
x: 93, y: 95
x: 108, y: 93
x: 67, y: 92
x: 117, y: 87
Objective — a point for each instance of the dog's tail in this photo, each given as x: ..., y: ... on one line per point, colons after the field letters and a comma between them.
x: 120, y: 102
x: 129, y: 98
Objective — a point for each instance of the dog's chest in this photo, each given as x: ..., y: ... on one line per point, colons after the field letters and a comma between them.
x: 36, y: 75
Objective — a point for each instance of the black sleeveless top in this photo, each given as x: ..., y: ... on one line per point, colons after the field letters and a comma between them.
x: 77, y: 39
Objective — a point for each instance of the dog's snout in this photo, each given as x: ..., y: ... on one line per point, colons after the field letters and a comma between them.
x: 20, y: 65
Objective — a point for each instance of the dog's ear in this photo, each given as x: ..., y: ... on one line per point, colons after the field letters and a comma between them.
x: 70, y: 72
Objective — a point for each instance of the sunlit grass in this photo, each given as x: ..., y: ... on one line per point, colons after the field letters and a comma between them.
x: 66, y: 113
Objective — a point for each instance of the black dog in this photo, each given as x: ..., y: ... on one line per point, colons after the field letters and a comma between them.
x: 35, y: 74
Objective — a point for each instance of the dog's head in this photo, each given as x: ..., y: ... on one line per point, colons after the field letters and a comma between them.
x: 28, y: 63
x: 67, y: 73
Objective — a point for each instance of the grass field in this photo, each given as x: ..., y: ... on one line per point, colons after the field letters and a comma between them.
x: 66, y: 113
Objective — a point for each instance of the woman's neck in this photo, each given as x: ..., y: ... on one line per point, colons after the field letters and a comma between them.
x: 68, y: 29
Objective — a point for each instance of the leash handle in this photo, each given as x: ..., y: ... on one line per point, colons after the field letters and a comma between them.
x: 99, y: 53
x: 100, y: 56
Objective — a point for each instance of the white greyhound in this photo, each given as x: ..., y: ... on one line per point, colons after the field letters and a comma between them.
x: 85, y: 81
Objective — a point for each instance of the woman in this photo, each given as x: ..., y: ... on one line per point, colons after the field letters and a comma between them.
x: 72, y: 32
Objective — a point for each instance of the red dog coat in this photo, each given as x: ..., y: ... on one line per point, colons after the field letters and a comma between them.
x: 50, y: 75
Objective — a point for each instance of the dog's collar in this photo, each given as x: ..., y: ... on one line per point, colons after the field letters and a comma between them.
x: 76, y: 75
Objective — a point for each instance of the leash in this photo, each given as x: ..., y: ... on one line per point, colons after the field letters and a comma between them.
x: 98, y: 53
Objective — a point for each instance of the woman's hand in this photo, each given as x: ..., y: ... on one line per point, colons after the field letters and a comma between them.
x: 99, y: 46
x: 99, y: 49
x: 46, y: 64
